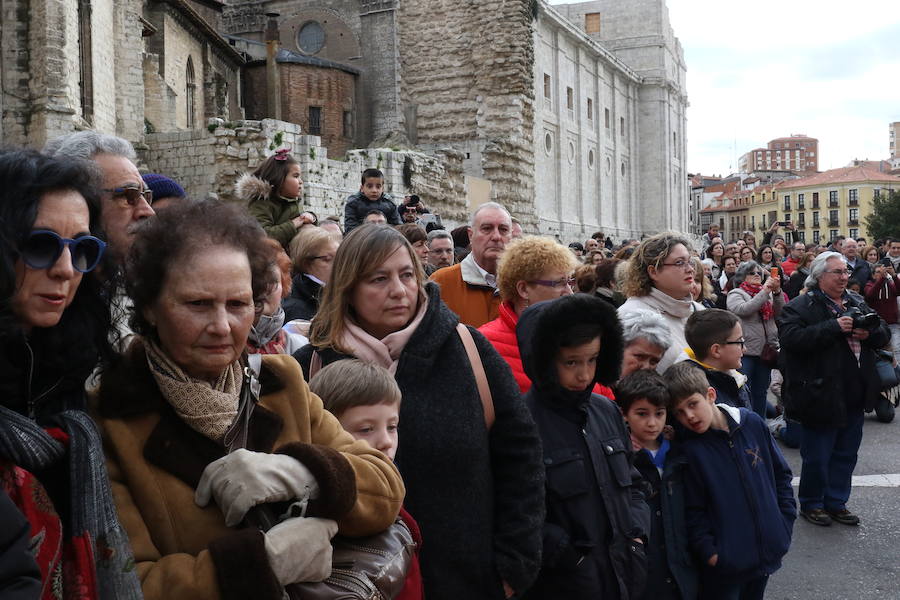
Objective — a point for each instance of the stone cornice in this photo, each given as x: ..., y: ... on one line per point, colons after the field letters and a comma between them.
x: 185, y: 14
x: 563, y: 23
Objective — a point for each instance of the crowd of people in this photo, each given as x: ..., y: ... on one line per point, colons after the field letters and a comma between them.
x: 203, y: 399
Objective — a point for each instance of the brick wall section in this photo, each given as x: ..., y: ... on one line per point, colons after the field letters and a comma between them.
x: 303, y: 86
x: 209, y: 162
x: 468, y: 68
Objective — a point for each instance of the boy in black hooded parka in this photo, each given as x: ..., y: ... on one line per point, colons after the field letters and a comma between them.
x: 597, y: 521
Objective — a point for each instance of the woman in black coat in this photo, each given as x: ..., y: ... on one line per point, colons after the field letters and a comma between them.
x: 597, y: 521
x: 475, y: 487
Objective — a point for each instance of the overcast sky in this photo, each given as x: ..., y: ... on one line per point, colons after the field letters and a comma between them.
x: 765, y: 69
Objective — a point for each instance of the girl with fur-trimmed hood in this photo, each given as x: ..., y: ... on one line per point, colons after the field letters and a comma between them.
x: 597, y: 520
x: 272, y: 193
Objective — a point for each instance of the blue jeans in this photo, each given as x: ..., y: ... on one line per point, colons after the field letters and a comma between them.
x: 720, y: 589
x: 829, y: 457
x: 758, y: 377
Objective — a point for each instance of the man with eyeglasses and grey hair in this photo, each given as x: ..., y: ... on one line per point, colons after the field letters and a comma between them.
x: 124, y: 203
x: 828, y: 340
x: 125, y: 200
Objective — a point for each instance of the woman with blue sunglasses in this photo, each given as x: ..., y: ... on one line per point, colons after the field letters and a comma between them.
x: 54, y: 325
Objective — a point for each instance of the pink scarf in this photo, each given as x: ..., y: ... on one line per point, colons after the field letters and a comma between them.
x: 386, y: 351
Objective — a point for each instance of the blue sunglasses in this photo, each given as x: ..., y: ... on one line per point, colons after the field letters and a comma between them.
x: 43, y: 248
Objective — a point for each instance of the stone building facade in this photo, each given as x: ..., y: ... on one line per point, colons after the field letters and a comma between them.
x: 573, y: 115
x: 118, y: 66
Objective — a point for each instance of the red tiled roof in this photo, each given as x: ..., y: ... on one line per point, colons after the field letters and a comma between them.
x: 842, y: 175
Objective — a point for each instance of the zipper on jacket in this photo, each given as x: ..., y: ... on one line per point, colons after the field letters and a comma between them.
x: 32, y: 402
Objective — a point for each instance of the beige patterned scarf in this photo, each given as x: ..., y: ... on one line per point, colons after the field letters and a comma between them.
x: 207, y: 409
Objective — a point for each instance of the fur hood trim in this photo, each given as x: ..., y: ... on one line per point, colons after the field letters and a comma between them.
x: 249, y: 188
x: 541, y: 326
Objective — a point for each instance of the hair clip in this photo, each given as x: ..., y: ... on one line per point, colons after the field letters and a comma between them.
x: 282, y: 154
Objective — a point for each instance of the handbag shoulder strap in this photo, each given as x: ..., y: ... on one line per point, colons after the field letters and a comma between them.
x: 315, y: 364
x: 484, y: 390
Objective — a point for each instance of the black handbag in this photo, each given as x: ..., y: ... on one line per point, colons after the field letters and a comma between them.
x: 888, y: 374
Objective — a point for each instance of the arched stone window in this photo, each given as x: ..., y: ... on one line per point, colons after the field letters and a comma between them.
x: 189, y: 93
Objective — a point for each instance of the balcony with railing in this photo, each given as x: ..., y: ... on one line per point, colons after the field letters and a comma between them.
x: 832, y: 222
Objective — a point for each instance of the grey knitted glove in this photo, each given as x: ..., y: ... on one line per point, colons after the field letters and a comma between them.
x: 244, y: 479
x: 299, y: 549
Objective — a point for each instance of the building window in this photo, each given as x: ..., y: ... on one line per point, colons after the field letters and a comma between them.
x: 833, y: 217
x: 787, y: 217
x: 622, y: 126
x: 590, y: 109
x: 801, y: 202
x: 606, y: 116
x: 348, y: 124
x: 570, y: 98
x: 592, y: 23
x: 548, y: 143
x: 832, y: 234
x: 815, y: 219
x: 802, y: 235
x: 189, y: 93
x: 832, y: 198
x: 311, y: 38
x: 675, y: 143
x: 854, y: 233
x: 590, y: 159
x: 853, y: 197
x: 548, y: 87
x: 815, y: 237
x: 315, y: 120
x: 854, y: 217
x: 787, y: 203
x: 815, y: 200
x: 752, y: 221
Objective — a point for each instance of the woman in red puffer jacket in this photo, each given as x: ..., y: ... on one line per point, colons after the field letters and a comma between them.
x: 532, y: 269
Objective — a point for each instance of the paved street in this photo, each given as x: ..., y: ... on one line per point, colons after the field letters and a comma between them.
x: 851, y: 563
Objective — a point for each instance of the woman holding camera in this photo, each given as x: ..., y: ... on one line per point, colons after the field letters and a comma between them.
x: 829, y: 380
x: 758, y: 304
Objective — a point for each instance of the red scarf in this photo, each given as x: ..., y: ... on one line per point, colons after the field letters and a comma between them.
x: 767, y: 311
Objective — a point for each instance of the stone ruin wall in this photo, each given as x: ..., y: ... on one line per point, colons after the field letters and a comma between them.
x: 467, y: 67
x: 207, y: 162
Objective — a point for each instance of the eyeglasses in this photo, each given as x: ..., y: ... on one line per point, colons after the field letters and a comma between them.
x: 740, y: 342
x: 324, y: 258
x: 43, y: 248
x: 840, y: 272
x: 681, y: 263
x: 565, y: 281
x: 131, y: 194
x: 754, y: 274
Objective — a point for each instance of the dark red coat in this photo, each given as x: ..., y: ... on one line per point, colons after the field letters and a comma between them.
x: 881, y: 295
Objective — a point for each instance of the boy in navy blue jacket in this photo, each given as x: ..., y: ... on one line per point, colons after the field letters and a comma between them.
x: 739, y: 503
x: 671, y: 571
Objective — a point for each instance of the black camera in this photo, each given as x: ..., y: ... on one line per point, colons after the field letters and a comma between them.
x: 861, y: 320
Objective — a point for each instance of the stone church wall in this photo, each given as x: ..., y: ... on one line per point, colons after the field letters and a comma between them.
x: 209, y: 161
x: 466, y: 81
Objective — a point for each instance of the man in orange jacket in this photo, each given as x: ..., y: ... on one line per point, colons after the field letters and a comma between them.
x: 470, y: 287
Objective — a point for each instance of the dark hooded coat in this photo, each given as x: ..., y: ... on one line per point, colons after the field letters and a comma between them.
x: 594, y: 495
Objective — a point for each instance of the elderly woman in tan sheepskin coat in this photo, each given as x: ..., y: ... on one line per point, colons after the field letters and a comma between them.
x: 272, y: 193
